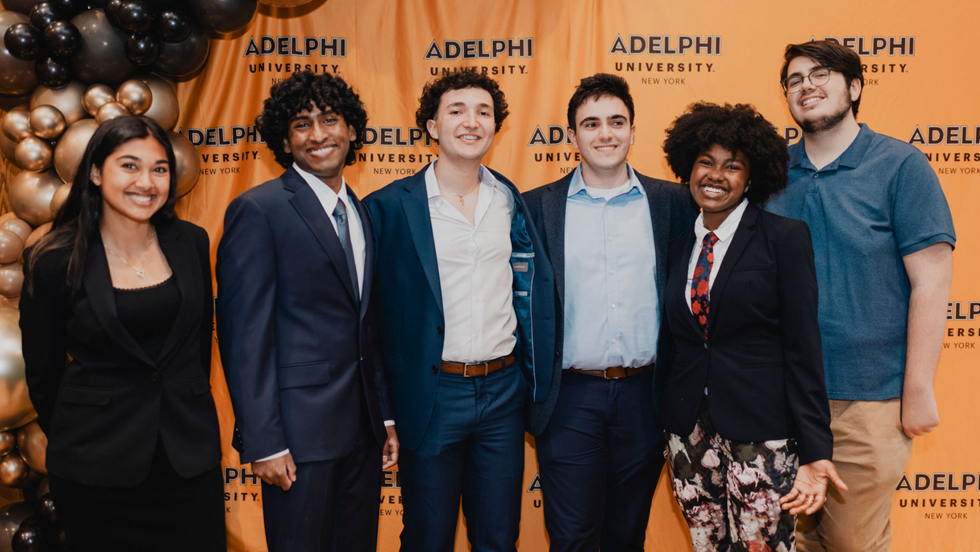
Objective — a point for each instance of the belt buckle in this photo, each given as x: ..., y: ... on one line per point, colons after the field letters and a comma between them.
x: 466, y: 366
x: 605, y: 375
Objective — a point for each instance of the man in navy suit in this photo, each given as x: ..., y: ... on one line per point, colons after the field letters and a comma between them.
x: 295, y: 269
x: 606, y: 230
x: 466, y: 308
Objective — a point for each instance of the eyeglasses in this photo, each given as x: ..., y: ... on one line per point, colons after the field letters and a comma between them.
x: 817, y: 77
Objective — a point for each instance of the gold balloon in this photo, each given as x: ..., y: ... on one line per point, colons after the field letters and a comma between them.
x: 109, y: 111
x: 284, y: 3
x: 11, y: 246
x: 47, y: 122
x: 30, y: 196
x: 11, y: 279
x: 39, y: 233
x: 32, y: 443
x: 188, y: 163
x: 96, y: 96
x: 164, y: 109
x: 8, y: 148
x: 14, y: 472
x: 43, y: 487
x: 59, y: 198
x: 16, y: 124
x: 135, y: 95
x: 8, y: 440
x: 12, y: 223
x: 71, y: 147
x: 68, y: 100
x: 33, y: 154
x: 13, y: 302
x: 15, y: 405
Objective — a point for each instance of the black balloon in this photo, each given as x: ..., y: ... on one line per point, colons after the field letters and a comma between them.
x: 52, y: 72
x: 28, y: 537
x: 43, y: 15
x: 225, y: 16
x: 63, y: 38
x: 68, y: 8
x: 20, y: 6
x: 22, y: 41
x: 135, y: 16
x: 102, y: 57
x: 46, y: 510
x: 185, y: 57
x: 173, y: 25
x: 112, y: 9
x: 142, y: 49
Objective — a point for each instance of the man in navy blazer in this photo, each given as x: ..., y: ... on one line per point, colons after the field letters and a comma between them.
x: 466, y: 309
x: 606, y: 230
x: 295, y: 268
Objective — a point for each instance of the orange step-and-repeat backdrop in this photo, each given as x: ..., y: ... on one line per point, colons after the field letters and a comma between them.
x: 922, y: 78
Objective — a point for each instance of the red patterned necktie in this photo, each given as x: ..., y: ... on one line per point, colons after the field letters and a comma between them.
x: 699, y: 284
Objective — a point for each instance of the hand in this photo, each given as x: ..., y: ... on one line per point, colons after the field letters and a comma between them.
x: 280, y: 471
x: 810, y: 488
x: 919, y: 412
x: 390, y: 450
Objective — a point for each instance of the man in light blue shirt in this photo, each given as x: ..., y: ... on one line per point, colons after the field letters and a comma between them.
x: 606, y: 231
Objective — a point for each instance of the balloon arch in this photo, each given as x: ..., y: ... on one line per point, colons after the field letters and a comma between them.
x: 67, y: 66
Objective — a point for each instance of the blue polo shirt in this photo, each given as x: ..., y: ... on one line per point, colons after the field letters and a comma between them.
x: 879, y: 201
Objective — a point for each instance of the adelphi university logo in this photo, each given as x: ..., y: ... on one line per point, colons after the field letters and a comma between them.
x: 943, y: 147
x: 499, y: 56
x: 554, y: 135
x: 326, y: 49
x: 383, y: 161
x: 665, y: 54
x: 881, y: 48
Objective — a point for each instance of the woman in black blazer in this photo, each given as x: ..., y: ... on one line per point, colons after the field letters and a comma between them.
x: 116, y: 315
x: 744, y: 402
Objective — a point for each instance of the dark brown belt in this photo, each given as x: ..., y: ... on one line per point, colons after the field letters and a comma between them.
x: 616, y: 372
x: 477, y: 369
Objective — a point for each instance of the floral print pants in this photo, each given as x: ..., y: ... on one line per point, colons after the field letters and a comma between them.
x: 729, y: 491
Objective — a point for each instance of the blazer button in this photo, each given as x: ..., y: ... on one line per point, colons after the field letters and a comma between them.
x: 705, y: 345
x: 155, y: 376
x: 435, y: 368
x: 439, y: 330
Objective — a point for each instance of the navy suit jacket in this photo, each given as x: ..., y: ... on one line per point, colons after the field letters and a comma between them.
x: 762, y: 362
x: 295, y: 344
x: 409, y: 300
x: 672, y: 211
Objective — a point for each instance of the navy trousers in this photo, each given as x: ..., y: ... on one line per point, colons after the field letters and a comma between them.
x: 473, y: 449
x: 600, y: 458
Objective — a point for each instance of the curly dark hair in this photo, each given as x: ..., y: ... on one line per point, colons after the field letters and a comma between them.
x: 738, y: 128
x: 598, y: 86
x: 298, y: 92
x: 829, y: 54
x: 464, y: 78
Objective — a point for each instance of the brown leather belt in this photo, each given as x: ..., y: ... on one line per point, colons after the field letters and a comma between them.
x: 616, y: 372
x: 477, y: 369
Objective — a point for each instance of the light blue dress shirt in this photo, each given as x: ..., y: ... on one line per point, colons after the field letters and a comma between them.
x: 612, y: 314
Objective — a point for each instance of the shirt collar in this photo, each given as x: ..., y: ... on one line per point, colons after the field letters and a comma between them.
x: 324, y: 192
x: 577, y: 185
x: 851, y: 158
x: 432, y: 184
x: 726, y: 229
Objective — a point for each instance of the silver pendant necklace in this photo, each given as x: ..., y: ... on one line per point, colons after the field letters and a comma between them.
x: 138, y: 268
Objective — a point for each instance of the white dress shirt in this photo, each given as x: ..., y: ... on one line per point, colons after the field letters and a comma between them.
x: 725, y: 232
x: 474, y: 271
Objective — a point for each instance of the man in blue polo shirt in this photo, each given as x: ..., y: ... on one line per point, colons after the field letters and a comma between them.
x: 882, y: 240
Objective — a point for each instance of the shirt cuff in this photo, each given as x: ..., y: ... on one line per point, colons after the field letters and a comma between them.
x: 389, y: 423
x: 274, y: 456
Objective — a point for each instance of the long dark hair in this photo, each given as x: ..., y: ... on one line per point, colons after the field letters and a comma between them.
x: 77, y: 222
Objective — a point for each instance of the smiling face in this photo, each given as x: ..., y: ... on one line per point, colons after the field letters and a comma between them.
x: 824, y: 107
x: 134, y: 180
x: 463, y: 125
x: 319, y: 141
x: 718, y: 182
x: 603, y: 134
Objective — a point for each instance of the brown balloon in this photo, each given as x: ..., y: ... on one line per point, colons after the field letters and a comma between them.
x: 109, y: 111
x: 284, y: 3
x: 16, y: 124
x: 43, y: 487
x: 68, y: 100
x: 71, y: 147
x: 59, y: 198
x: 8, y: 440
x: 11, y: 246
x: 11, y: 279
x: 30, y: 195
x: 96, y: 96
x: 16, y: 75
x: 39, y: 232
x: 17, y: 226
x: 14, y: 472
x: 32, y: 444
x: 8, y: 148
x: 15, y: 404
x: 47, y: 122
x: 12, y: 302
x: 33, y: 154
x: 188, y: 163
x: 135, y: 95
x: 164, y: 109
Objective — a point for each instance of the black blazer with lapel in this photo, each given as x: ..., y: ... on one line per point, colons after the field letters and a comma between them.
x: 672, y: 211
x: 104, y: 411
x: 296, y: 346
x: 762, y: 361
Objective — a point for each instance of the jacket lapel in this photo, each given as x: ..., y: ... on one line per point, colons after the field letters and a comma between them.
x: 660, y: 222
x: 553, y: 204
x: 679, y: 269
x: 183, y: 259
x: 416, y: 205
x: 368, y: 276
x: 739, y: 241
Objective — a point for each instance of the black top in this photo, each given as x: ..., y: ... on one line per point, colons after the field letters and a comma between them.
x: 149, y: 313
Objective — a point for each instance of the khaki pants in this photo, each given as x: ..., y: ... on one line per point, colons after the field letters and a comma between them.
x: 870, y: 453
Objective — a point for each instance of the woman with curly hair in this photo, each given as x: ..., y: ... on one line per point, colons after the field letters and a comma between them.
x: 744, y: 403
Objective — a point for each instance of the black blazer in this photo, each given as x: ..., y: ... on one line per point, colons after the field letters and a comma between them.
x: 672, y: 212
x: 762, y: 362
x: 105, y: 410
x: 295, y: 345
